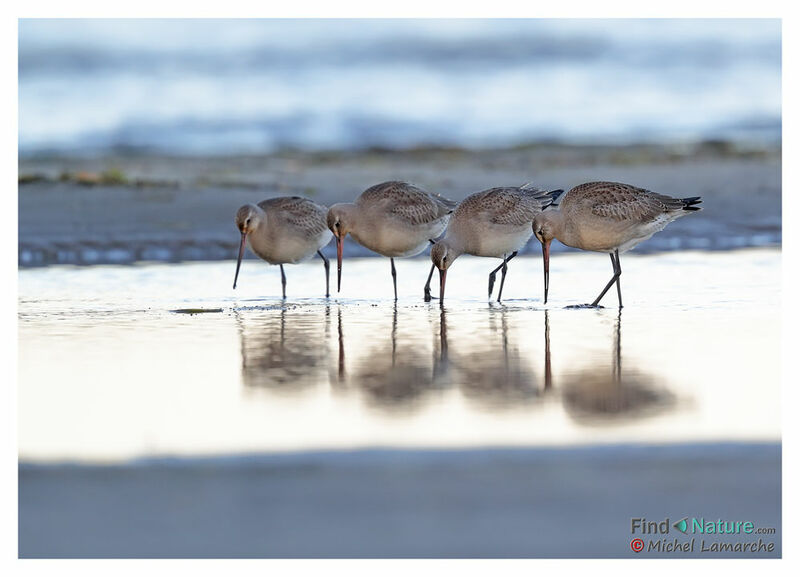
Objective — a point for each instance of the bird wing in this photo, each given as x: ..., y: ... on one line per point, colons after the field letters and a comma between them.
x: 622, y: 202
x: 509, y: 206
x: 407, y: 202
x: 302, y: 213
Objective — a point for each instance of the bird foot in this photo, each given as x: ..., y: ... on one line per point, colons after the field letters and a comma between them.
x: 429, y: 297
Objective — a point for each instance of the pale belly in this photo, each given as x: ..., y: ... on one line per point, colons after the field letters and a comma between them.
x: 595, y: 243
x: 611, y: 236
x: 289, y: 250
x: 399, y: 241
x: 500, y: 241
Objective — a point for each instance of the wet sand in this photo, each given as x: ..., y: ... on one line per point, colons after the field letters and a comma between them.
x: 157, y: 208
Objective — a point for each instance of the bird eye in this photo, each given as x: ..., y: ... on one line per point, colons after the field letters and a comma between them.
x: 247, y: 221
x: 336, y: 224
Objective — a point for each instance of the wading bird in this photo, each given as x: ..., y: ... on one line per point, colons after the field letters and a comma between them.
x: 494, y: 223
x: 284, y: 230
x: 394, y: 219
x: 607, y: 217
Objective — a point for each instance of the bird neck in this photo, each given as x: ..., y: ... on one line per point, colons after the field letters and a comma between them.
x: 352, y: 213
x: 556, y: 224
x: 454, y: 248
x: 261, y: 225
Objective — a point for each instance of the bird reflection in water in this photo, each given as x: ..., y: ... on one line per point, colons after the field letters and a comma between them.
x: 441, y: 361
x: 401, y: 368
x: 281, y: 348
x: 395, y: 373
x: 599, y: 395
x: 398, y: 373
x: 494, y: 372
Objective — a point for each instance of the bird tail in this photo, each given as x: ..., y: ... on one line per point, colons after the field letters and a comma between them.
x: 689, y: 203
x: 552, y: 196
x: 547, y: 197
x: 450, y: 205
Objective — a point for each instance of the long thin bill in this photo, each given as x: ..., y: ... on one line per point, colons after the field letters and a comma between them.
x: 338, y: 264
x: 239, y: 261
x: 546, y: 260
x: 442, y: 279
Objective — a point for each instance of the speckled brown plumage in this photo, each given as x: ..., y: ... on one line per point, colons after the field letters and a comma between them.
x: 620, y: 202
x: 283, y: 230
x: 395, y: 219
x: 508, y: 205
x: 609, y: 217
x: 491, y: 223
x: 305, y: 215
x: 405, y: 201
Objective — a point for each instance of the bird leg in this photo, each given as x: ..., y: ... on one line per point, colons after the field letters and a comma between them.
x: 618, y: 270
x: 394, y: 278
x: 327, y: 274
x: 503, y: 278
x: 548, y: 372
x: 493, y: 274
x: 491, y: 278
x: 614, y: 279
x: 428, y: 285
x: 283, y: 282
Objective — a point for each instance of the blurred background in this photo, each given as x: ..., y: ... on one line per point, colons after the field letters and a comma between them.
x: 163, y: 414
x: 236, y: 86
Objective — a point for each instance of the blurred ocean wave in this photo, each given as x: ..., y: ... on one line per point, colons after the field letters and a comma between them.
x: 233, y: 86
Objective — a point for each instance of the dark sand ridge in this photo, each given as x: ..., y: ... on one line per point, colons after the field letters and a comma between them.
x: 126, y: 208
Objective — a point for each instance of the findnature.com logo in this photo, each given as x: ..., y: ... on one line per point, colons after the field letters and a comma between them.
x: 699, y: 526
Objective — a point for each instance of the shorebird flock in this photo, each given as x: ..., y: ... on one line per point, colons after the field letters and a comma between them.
x: 397, y: 219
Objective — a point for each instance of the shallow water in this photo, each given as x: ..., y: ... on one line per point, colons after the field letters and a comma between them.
x: 108, y: 372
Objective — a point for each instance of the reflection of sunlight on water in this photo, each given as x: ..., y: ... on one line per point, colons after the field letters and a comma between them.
x: 124, y: 377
